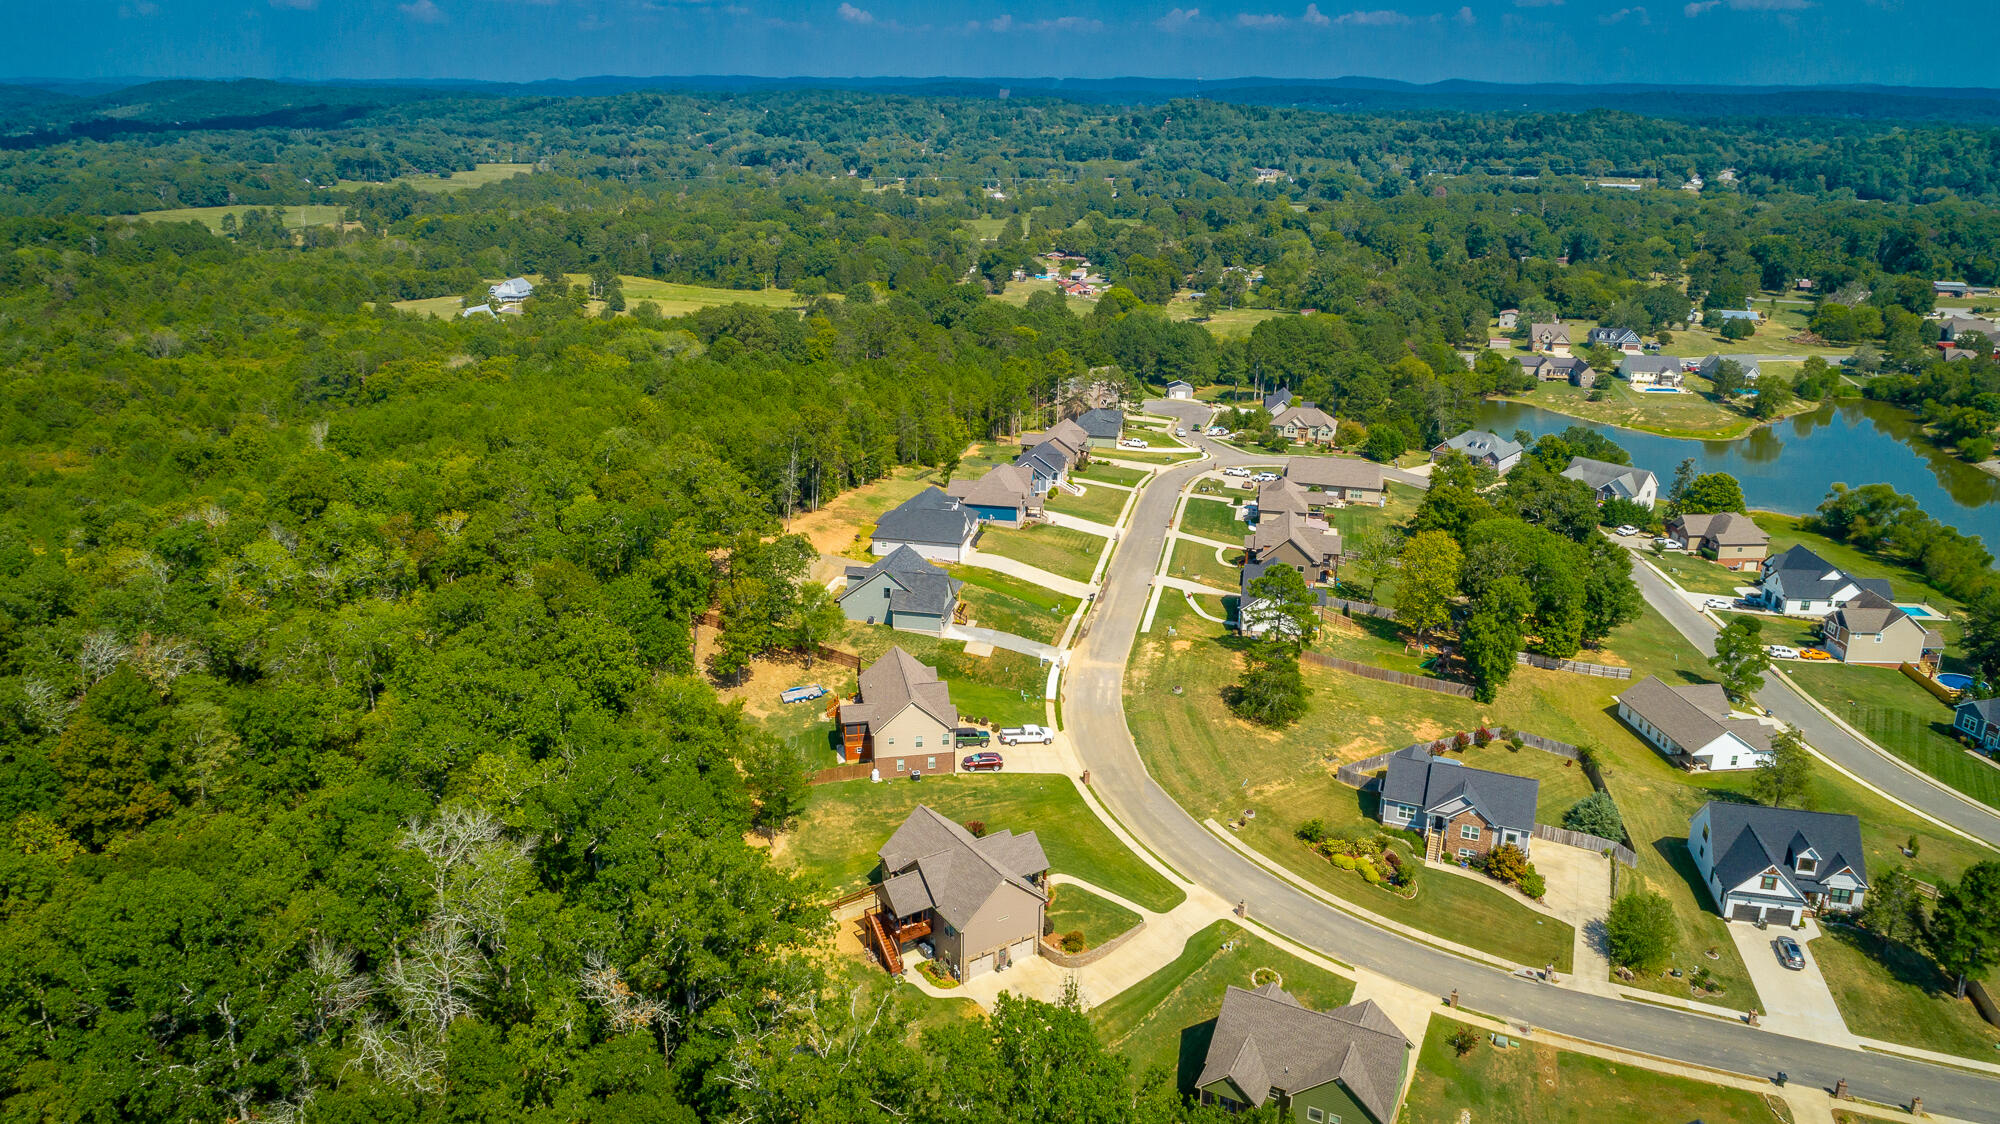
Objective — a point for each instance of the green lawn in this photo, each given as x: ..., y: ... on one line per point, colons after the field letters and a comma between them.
x: 1902, y: 718
x: 676, y: 299
x: 1075, y: 909
x: 1097, y: 470
x: 1225, y: 322
x: 1005, y: 688
x: 1212, y: 519
x: 296, y: 217
x: 1163, y: 1020
x: 1698, y: 574
x: 1693, y: 414
x: 1357, y: 520
x: 860, y: 979
x: 1895, y: 993
x: 1530, y: 1083
x: 844, y: 523
x: 479, y: 176
x: 1771, y: 338
x: 1059, y: 550
x: 441, y: 308
x: 1100, y: 505
x: 1013, y: 604
x: 1155, y: 455
x: 1196, y: 562
x: 845, y: 824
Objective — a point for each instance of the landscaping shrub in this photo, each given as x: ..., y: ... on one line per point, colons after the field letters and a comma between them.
x: 1640, y: 930
x: 977, y: 828
x: 1072, y: 942
x: 1314, y: 831
x: 1370, y: 875
x: 1533, y: 885
x: 1507, y: 863
x: 1596, y: 814
x: 1515, y: 744
x: 1463, y: 1040
x: 1482, y: 736
x: 1344, y: 862
x: 1462, y: 740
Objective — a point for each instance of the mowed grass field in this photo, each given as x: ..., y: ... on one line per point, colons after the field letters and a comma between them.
x: 1165, y: 1019
x: 845, y: 824
x: 296, y: 218
x: 1529, y: 1083
x: 676, y: 299
x: 1013, y: 604
x: 479, y: 176
x: 442, y: 308
x: 1097, y: 504
x: 1911, y: 1002
x: 1004, y: 688
x: 1073, y: 909
x: 1059, y: 550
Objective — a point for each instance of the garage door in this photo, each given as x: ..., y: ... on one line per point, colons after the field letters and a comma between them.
x: 1743, y: 911
x: 980, y: 966
x: 1774, y: 915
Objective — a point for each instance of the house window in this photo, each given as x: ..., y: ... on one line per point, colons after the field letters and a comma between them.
x: 1768, y: 882
x: 1466, y: 852
x: 947, y: 739
x: 1965, y: 722
x: 899, y: 764
x: 892, y: 741
x: 920, y: 741
x: 930, y: 763
x: 1807, y: 866
x: 1315, y: 1115
x: 1468, y: 831
x: 1841, y: 897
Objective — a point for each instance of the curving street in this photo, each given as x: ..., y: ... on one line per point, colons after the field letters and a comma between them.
x: 1095, y: 717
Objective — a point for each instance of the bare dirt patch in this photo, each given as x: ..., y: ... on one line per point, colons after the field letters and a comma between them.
x: 1428, y: 730
x: 771, y: 676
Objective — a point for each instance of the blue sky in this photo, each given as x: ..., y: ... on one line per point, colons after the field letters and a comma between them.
x: 1723, y: 41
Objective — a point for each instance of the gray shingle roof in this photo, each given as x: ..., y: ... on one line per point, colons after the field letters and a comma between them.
x: 1478, y: 443
x: 1713, y: 362
x: 1102, y: 424
x: 1049, y: 456
x: 920, y: 586
x: 896, y: 681
x: 1806, y: 576
x: 1417, y: 778
x: 958, y: 873
x: 1869, y: 613
x: 1307, y: 415
x: 1281, y: 527
x: 1746, y: 839
x: 929, y: 517
x: 1727, y: 528
x: 1988, y: 710
x: 1265, y: 1040
x: 1274, y: 496
x: 1692, y: 715
x: 1621, y: 479
x: 1616, y: 337
x: 1650, y: 365
x: 1003, y: 485
x: 1277, y: 400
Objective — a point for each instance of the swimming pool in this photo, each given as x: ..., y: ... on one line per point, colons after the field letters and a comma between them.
x: 1922, y: 612
x: 1954, y: 680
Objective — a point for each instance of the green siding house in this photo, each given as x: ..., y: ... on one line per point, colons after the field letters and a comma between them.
x: 1344, y: 1066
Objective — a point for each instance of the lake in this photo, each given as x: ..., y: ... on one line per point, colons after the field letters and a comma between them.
x: 1788, y: 466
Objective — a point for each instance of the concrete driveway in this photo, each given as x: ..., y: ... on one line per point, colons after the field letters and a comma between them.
x: 1579, y: 892
x: 1795, y: 1003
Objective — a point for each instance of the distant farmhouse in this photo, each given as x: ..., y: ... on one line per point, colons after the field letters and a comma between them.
x: 511, y: 291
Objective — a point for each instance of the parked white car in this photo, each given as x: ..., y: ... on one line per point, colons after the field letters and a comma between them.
x: 1265, y: 477
x: 1235, y: 470
x: 1781, y: 651
x: 1180, y: 431
x: 1217, y: 430
x: 1134, y: 443
x: 1015, y: 735
x: 1665, y: 543
x: 1718, y: 603
x: 1627, y: 530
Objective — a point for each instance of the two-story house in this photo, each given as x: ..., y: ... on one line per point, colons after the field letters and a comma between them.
x: 1549, y: 339
x: 1306, y: 545
x: 1652, y: 372
x: 1727, y: 537
x: 1462, y: 811
x: 901, y: 590
x: 931, y: 523
x: 1871, y: 629
x: 1777, y: 864
x: 902, y: 718
x: 1614, y: 481
x: 1692, y: 725
x: 1103, y: 427
x: 1619, y: 339
x: 1800, y: 583
x: 1004, y: 496
x: 1305, y: 424
x: 1344, y: 1066
x: 979, y: 901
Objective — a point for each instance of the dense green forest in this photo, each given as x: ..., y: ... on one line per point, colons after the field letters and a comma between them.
x: 355, y: 763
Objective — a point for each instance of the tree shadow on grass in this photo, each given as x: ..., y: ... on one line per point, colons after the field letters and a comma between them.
x: 1674, y: 849
x: 1905, y: 965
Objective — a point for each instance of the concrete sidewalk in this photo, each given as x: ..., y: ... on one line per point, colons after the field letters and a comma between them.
x: 975, y: 635
x: 1078, y: 523
x: 1002, y: 564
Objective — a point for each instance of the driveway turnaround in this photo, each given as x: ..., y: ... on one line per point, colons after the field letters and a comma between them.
x: 1095, y: 716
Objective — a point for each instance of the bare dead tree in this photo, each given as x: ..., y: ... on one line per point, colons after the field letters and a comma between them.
x: 100, y: 655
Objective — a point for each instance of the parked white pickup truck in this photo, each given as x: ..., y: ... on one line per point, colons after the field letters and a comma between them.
x: 1015, y: 735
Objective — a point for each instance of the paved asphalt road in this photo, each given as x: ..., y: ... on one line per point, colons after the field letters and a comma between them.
x: 1094, y: 709
x: 1884, y: 772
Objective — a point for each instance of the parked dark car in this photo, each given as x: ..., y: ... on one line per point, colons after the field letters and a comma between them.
x: 972, y: 735
x: 981, y: 763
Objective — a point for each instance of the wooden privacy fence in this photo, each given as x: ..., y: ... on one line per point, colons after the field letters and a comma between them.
x: 1982, y: 1001
x: 1383, y: 674
x: 1575, y: 667
x: 857, y: 771
x: 1355, y: 773
x: 1588, y: 842
x: 1939, y: 691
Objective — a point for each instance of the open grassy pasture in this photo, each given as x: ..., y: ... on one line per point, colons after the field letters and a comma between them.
x: 1012, y: 604
x: 1227, y: 322
x: 1006, y: 688
x: 441, y: 308
x: 1698, y: 574
x: 846, y: 824
x: 1894, y: 993
x: 1100, y: 505
x: 296, y: 217
x: 845, y: 521
x: 1164, y: 1019
x: 479, y: 176
x: 676, y: 299
x: 1530, y: 1083
x: 1075, y: 909
x: 1059, y: 550
x: 1692, y: 414
x: 1773, y: 337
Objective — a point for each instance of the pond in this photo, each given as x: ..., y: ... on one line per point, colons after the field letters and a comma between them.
x: 1788, y: 466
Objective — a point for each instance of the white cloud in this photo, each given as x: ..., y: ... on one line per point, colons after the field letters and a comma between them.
x: 1538, y: 3
x: 1314, y: 16
x: 852, y: 14
x: 1260, y: 20
x: 1769, y: 5
x: 1466, y: 17
x: 1698, y: 7
x: 1004, y: 23
x: 423, y: 11
x: 1380, y: 17
x: 1177, y: 19
x: 1623, y: 14
x: 296, y: 5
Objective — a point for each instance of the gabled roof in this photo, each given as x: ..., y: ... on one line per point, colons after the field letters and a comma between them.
x: 1553, y: 333
x: 1423, y: 781
x: 1275, y: 496
x: 1277, y: 400
x: 1307, y: 415
x: 1692, y: 715
x: 920, y: 586
x: 1988, y: 710
x: 1806, y: 576
x: 1004, y: 485
x: 1101, y: 423
x: 1620, y: 479
x: 1334, y: 472
x: 934, y: 863
x: 1727, y: 528
x: 929, y: 517
x: 1073, y: 436
x: 1710, y: 364
x: 1050, y: 457
x: 514, y: 288
x: 1869, y: 613
x: 1180, y: 382
x: 1748, y: 839
x: 1265, y: 1040
x: 1477, y: 443
x: 1613, y: 335
x: 894, y: 682
x: 1281, y: 527
x: 1650, y: 365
